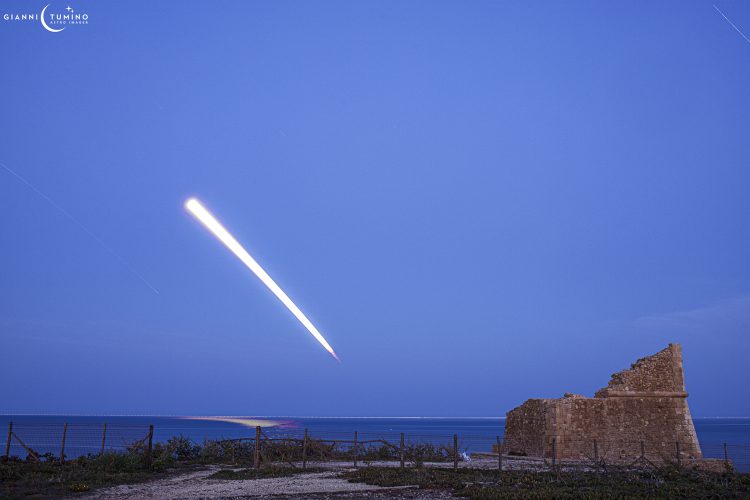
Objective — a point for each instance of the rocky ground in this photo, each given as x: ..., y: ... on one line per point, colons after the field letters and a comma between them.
x: 316, y: 485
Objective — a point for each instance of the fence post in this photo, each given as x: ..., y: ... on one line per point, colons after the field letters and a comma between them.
x: 596, y: 451
x: 499, y: 454
x: 304, y: 451
x: 355, y: 449
x: 150, y: 445
x: 401, y: 450
x: 679, y: 459
x: 554, y: 452
x: 455, y: 451
x: 104, y: 438
x: 256, y: 461
x: 10, y: 435
x: 62, y: 446
x: 726, y: 457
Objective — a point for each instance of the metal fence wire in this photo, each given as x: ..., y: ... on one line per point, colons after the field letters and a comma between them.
x: 298, y: 448
x: 60, y: 441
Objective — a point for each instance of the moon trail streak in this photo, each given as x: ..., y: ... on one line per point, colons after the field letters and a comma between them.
x: 212, y: 224
x: 79, y: 224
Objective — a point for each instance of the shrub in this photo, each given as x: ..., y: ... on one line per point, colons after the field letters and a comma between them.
x: 78, y: 487
x: 182, y: 448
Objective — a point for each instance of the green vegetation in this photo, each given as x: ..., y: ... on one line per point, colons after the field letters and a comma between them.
x: 415, y: 453
x: 489, y: 484
x: 181, y: 449
x: 49, y: 478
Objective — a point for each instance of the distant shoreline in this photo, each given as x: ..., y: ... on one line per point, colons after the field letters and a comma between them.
x: 275, y: 416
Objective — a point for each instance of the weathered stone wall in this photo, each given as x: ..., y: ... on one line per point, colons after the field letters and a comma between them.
x: 661, y: 372
x: 644, y: 406
x: 530, y: 424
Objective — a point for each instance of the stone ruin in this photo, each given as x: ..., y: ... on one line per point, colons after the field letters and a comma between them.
x: 642, y: 412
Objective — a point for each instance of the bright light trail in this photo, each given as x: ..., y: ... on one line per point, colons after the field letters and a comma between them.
x: 207, y: 219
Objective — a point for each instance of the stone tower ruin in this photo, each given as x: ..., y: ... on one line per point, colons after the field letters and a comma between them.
x: 643, y: 410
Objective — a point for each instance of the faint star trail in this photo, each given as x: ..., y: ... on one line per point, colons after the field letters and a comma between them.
x: 732, y: 24
x: 80, y: 225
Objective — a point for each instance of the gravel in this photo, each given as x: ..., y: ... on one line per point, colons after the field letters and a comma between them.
x: 317, y: 485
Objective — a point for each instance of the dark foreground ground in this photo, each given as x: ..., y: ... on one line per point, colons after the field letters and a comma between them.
x: 480, y: 483
x: 115, y: 477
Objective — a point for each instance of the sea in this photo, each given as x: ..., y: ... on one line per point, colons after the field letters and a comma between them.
x: 43, y: 432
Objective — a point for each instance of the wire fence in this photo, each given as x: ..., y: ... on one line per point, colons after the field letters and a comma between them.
x: 57, y: 442
x: 299, y: 448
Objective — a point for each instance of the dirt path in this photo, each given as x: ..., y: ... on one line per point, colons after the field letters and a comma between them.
x: 197, y: 485
x: 315, y: 485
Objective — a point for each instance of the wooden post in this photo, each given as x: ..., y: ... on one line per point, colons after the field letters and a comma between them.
x: 596, y: 451
x: 150, y: 445
x: 304, y: 451
x: 554, y: 452
x: 679, y: 459
x: 256, y: 461
x: 104, y: 438
x: 401, y: 450
x: 455, y: 451
x: 643, y: 450
x: 10, y: 435
x: 726, y: 457
x: 62, y: 446
x: 29, y: 450
x: 499, y: 454
x: 355, y: 449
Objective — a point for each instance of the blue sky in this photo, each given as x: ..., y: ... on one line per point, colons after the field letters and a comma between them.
x: 475, y: 202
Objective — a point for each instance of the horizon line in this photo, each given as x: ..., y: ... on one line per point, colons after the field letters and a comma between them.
x: 284, y: 416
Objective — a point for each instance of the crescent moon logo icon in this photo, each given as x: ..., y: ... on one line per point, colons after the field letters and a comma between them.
x: 45, y: 24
